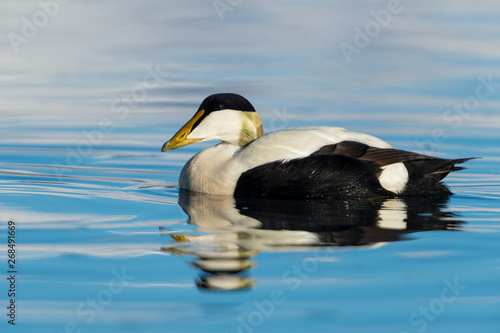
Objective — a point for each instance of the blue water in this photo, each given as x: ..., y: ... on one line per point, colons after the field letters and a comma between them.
x: 106, y: 243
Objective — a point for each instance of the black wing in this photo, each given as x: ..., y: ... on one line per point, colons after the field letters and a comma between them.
x: 424, y: 172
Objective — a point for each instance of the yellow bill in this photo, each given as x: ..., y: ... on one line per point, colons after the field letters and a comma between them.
x: 180, y: 139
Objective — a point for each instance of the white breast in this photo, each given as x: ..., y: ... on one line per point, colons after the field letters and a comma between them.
x: 209, y: 171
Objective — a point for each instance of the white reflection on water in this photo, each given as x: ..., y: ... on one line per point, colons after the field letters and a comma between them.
x: 236, y: 230
x: 42, y: 220
x: 40, y: 251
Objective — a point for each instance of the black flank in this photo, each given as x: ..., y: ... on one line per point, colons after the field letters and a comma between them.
x: 316, y: 176
x: 345, y: 170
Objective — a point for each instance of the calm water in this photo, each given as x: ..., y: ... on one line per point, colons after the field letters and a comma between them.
x: 106, y: 243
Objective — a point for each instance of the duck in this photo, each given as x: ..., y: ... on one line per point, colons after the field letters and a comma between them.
x: 297, y: 163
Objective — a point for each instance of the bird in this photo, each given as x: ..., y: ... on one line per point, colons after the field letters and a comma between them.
x: 313, y: 162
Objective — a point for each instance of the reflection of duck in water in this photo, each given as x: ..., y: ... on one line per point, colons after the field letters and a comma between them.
x: 235, y: 230
x: 301, y: 162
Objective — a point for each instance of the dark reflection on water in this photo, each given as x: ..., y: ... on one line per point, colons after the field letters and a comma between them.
x: 232, y: 231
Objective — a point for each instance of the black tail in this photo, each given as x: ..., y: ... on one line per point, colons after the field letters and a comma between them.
x: 425, y: 175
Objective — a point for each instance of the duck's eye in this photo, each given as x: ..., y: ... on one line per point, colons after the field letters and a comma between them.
x: 219, y: 106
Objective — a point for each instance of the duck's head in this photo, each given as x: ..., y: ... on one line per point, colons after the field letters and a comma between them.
x: 226, y: 117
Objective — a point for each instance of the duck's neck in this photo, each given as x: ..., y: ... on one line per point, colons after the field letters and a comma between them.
x: 251, y: 128
x: 211, y: 170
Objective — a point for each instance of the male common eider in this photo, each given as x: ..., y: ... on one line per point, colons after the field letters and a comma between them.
x: 302, y: 162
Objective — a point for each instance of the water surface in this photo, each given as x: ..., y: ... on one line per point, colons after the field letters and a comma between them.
x: 105, y: 241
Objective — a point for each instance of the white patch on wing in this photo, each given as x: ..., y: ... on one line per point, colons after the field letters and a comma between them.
x: 394, y: 177
x: 299, y: 142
